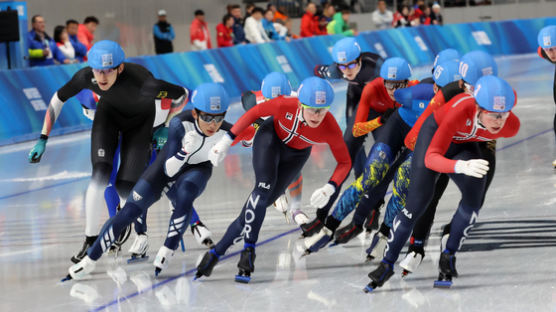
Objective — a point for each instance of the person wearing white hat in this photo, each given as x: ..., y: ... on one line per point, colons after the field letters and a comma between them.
x: 163, y: 34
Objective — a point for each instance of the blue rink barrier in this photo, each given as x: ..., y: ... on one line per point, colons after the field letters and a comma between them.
x: 25, y: 93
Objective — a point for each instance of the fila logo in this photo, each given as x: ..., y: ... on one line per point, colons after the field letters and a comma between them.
x: 407, y: 214
x: 136, y: 196
x: 94, y: 81
x: 100, y: 152
x: 468, y: 123
x: 264, y: 185
x: 289, y: 116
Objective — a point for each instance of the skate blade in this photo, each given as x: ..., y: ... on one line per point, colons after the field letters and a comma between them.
x: 67, y: 278
x: 442, y: 284
x: 243, y: 279
x: 369, y: 259
x: 306, y: 253
x: 182, y: 245
x: 133, y: 260
x: 368, y: 289
x: 157, y: 271
x: 333, y: 244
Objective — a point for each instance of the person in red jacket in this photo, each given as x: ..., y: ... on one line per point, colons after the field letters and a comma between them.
x: 280, y: 149
x: 199, y: 33
x: 86, y: 31
x: 308, y: 23
x: 224, y: 32
x: 448, y: 142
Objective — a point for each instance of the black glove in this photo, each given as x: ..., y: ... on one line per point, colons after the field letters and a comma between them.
x: 387, y: 115
x: 248, y: 100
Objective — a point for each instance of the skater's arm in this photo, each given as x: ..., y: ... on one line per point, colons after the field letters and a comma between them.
x: 71, y: 88
x: 268, y: 108
x: 159, y: 89
x: 339, y: 150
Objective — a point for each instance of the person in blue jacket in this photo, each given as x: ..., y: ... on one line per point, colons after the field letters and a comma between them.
x: 42, y: 48
x: 80, y: 49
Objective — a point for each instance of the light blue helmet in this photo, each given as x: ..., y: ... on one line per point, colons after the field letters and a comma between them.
x: 346, y: 50
x: 275, y: 84
x: 395, y: 68
x: 446, y: 72
x: 494, y: 94
x: 475, y: 64
x: 315, y: 92
x: 446, y: 55
x: 210, y: 98
x: 105, y: 54
x: 547, y: 37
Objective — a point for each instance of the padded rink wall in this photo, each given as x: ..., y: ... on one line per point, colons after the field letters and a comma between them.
x: 25, y: 93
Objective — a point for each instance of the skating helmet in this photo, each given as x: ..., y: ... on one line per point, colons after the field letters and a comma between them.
x: 345, y: 51
x: 547, y: 37
x: 475, y: 64
x: 315, y: 92
x: 494, y: 94
x: 275, y: 84
x: 210, y: 98
x: 446, y: 55
x: 105, y: 54
x: 395, y: 68
x: 446, y: 72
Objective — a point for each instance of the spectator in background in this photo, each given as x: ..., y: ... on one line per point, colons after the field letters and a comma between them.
x: 382, y: 17
x: 63, y: 43
x: 239, y: 32
x: 328, y: 12
x: 224, y: 32
x: 425, y: 18
x: 199, y: 33
x: 436, y: 17
x: 322, y: 22
x: 401, y: 17
x: 339, y: 24
x: 248, y: 10
x: 278, y: 15
x: 270, y: 27
x: 308, y: 22
x: 79, y: 48
x: 163, y: 34
x: 254, y: 30
x: 42, y: 49
x: 86, y: 31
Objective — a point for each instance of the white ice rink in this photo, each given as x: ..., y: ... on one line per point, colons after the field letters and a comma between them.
x: 507, y: 264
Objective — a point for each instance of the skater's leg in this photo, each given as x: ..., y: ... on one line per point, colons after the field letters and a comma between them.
x: 472, y: 191
x: 190, y: 185
x: 144, y: 195
x: 424, y: 223
x: 266, y: 157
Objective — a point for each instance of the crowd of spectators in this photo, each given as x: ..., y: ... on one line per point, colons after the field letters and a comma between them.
x: 71, y: 42
x: 69, y: 45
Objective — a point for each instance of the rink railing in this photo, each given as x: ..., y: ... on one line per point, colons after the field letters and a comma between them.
x: 25, y: 93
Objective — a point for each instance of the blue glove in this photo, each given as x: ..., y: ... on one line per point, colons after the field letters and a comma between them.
x: 36, y: 152
x: 160, y: 137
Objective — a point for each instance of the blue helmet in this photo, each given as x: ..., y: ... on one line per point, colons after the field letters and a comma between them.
x: 210, y: 98
x: 395, y: 68
x: 346, y: 50
x: 475, y: 64
x: 494, y: 94
x: 446, y: 55
x: 547, y: 37
x: 446, y: 72
x: 105, y: 54
x: 275, y: 84
x: 315, y: 92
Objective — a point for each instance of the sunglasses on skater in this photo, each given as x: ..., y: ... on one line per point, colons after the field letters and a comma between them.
x: 350, y: 65
x: 394, y: 85
x: 315, y: 111
x: 496, y: 115
x: 208, y: 118
x: 104, y: 71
